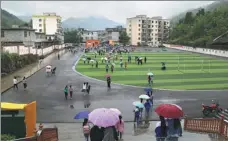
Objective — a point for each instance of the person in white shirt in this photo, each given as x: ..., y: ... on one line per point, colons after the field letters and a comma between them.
x: 15, y: 83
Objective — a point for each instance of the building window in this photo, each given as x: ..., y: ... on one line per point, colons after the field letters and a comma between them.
x: 129, y: 29
x: 88, y: 33
x: 152, y: 21
x: 139, y: 29
x: 40, y: 30
x: 29, y: 33
x: 139, y: 38
x: 152, y: 26
x: 25, y: 33
x: 156, y: 21
x: 40, y: 20
x: 151, y: 38
x: 139, y: 20
x: 148, y: 26
x: 139, y: 25
x: 139, y: 33
x: 2, y: 34
x: 152, y: 34
x: 40, y: 25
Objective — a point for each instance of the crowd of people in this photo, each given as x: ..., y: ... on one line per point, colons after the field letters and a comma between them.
x: 95, y: 133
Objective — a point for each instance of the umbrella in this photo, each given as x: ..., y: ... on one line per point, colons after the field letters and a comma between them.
x: 82, y: 115
x: 106, y: 58
x: 108, y: 75
x: 138, y: 104
x: 113, y: 64
x: 148, y: 89
x: 150, y: 73
x: 103, y: 117
x: 143, y: 96
x: 92, y: 60
x: 102, y: 58
x: 116, y: 110
x: 83, y: 59
x: 169, y: 111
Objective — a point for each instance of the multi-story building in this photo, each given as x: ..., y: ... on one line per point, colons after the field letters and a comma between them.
x: 145, y: 30
x: 89, y: 35
x: 18, y: 35
x: 50, y: 24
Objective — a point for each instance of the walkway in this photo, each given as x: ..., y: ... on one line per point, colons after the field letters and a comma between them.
x: 7, y: 81
x: 51, y: 106
x: 71, y: 132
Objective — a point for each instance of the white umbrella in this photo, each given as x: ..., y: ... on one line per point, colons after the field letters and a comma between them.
x: 143, y: 96
x: 83, y: 59
x: 150, y: 73
x: 92, y: 61
x: 116, y: 110
x: 106, y: 58
x: 113, y: 64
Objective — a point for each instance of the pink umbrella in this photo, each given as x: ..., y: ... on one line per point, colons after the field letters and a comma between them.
x: 116, y: 110
x: 103, y: 117
x: 108, y: 75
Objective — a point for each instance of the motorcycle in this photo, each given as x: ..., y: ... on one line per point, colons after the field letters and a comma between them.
x: 214, y: 108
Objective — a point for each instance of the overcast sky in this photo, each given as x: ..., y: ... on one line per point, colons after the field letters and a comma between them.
x: 114, y: 10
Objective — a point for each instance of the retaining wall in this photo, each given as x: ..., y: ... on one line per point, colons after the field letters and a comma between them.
x: 214, y: 52
x: 22, y: 50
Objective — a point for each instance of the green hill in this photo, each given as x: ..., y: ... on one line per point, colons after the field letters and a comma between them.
x: 210, y: 7
x: 202, y: 28
x: 8, y: 19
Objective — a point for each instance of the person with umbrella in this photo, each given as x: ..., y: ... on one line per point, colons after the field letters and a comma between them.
x: 136, y: 115
x: 147, y: 106
x: 173, y: 129
x: 161, y: 129
x: 86, y: 129
x: 125, y: 64
x: 96, y: 133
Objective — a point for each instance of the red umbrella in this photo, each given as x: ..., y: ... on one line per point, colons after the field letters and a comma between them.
x: 107, y: 75
x: 169, y: 111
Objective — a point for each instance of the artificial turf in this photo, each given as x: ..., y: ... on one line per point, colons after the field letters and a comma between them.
x: 195, y: 71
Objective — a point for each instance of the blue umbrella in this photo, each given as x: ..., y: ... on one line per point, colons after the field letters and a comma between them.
x: 148, y: 89
x: 82, y: 115
x: 138, y: 104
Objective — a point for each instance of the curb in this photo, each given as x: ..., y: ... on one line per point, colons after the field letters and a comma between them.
x: 74, y: 69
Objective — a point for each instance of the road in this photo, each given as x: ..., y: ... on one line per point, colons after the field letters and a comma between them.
x: 53, y: 108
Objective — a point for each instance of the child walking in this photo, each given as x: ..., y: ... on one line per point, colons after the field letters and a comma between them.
x: 71, y: 92
x: 66, y: 92
x: 120, y: 127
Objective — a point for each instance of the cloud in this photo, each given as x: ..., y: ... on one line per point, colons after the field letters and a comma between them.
x: 114, y: 10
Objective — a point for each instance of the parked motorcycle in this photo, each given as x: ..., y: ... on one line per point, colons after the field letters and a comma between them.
x: 214, y: 108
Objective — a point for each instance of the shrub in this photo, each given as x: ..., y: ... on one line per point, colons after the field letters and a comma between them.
x: 7, y: 137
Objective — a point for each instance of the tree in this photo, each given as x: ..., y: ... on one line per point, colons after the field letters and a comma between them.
x: 200, y: 29
x: 124, y: 39
x: 72, y: 36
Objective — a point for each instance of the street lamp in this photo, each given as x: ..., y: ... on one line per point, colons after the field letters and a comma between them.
x: 220, y: 36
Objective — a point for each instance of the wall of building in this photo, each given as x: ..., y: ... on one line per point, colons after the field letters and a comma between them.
x: 19, y: 36
x: 115, y: 36
x: 90, y: 36
x: 36, y: 24
x: 22, y: 50
x: 51, y: 25
x: 207, y: 51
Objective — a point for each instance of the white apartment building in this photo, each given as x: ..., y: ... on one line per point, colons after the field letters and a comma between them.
x: 89, y: 35
x: 50, y: 24
x: 145, y: 30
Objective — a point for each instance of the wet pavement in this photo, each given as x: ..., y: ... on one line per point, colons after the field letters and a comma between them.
x: 72, y: 132
x: 52, y: 107
x: 6, y: 81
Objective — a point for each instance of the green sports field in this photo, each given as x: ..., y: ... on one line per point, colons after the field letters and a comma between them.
x: 185, y: 71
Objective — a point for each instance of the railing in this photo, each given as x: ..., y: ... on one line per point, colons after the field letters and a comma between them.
x: 218, y: 126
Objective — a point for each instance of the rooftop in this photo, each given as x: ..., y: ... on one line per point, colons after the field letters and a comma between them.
x: 20, y: 28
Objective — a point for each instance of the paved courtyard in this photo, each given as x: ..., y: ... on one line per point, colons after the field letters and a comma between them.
x: 52, y: 107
